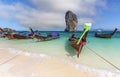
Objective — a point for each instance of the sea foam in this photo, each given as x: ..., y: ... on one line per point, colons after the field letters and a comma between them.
x: 13, y: 50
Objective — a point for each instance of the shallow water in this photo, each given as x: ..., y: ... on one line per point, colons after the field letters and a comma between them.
x: 99, y: 53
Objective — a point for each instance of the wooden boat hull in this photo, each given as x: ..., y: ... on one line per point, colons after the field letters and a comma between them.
x: 103, y: 35
x: 17, y: 36
x: 43, y: 38
x: 78, y: 47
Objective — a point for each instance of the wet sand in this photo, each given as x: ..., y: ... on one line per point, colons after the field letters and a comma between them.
x: 24, y: 65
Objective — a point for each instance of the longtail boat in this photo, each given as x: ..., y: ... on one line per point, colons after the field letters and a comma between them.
x: 105, y: 35
x: 49, y: 36
x: 11, y: 35
x: 78, y: 43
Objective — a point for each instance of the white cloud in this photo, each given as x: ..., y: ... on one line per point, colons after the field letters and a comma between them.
x: 56, y: 5
x: 49, y: 14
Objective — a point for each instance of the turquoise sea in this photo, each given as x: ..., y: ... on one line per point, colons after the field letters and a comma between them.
x: 98, y: 54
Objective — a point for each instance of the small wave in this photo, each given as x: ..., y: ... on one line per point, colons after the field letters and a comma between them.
x: 101, y: 73
x: 2, y: 47
x: 16, y: 51
x: 34, y: 54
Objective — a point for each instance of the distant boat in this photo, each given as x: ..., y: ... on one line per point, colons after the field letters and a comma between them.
x: 78, y: 43
x: 105, y: 35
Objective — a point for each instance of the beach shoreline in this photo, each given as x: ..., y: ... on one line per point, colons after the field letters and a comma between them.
x: 23, y: 64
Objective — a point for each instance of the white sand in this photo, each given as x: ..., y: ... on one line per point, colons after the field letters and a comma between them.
x: 19, y: 65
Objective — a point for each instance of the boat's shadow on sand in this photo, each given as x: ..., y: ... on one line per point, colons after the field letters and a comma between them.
x: 69, y: 49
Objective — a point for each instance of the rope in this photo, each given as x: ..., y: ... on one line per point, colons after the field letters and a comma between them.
x: 104, y: 59
x: 8, y: 60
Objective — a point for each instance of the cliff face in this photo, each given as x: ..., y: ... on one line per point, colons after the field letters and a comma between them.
x: 71, y: 21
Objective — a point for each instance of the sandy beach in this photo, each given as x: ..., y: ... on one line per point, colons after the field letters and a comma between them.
x: 24, y: 65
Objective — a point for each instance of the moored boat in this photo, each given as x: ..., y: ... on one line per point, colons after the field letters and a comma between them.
x: 78, y: 43
x: 50, y: 36
x: 105, y: 35
x: 9, y: 33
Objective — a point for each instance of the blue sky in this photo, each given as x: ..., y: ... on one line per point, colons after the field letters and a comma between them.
x: 49, y: 14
